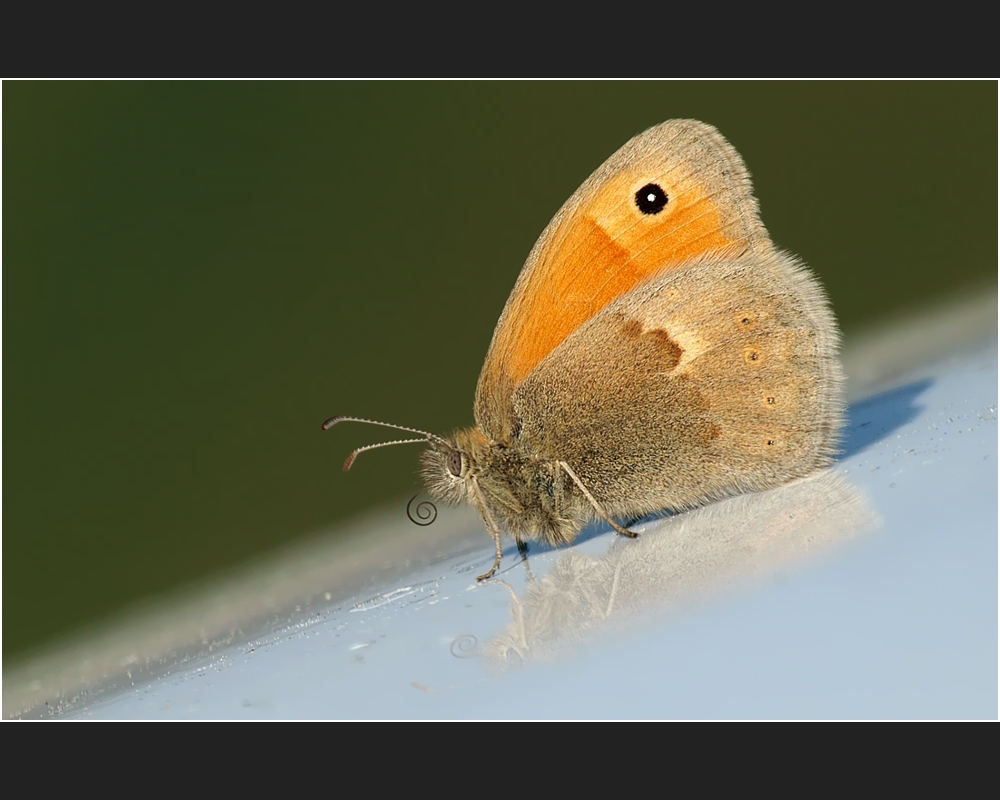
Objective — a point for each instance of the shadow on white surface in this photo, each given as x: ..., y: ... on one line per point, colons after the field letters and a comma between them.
x: 877, y: 416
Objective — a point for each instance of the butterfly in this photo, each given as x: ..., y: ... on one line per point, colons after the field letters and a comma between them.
x: 657, y: 353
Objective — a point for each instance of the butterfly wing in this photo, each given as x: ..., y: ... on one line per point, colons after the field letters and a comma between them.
x: 674, y: 193
x: 713, y: 379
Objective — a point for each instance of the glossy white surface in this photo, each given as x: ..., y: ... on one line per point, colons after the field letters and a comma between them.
x: 870, y: 591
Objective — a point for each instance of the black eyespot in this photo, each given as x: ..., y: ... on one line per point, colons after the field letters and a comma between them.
x: 455, y: 463
x: 651, y: 199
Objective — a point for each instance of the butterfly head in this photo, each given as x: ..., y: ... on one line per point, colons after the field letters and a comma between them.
x: 455, y: 468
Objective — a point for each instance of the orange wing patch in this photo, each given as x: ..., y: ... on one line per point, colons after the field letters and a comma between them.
x: 592, y: 264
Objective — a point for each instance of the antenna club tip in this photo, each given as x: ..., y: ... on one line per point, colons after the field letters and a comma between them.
x: 349, y: 461
x: 330, y: 423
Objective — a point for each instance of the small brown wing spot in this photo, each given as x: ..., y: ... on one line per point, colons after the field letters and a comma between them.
x: 753, y: 355
x: 774, y: 445
x: 770, y: 401
x: 746, y: 320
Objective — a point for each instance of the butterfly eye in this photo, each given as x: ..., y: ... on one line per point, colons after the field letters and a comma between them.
x: 651, y: 199
x: 455, y: 463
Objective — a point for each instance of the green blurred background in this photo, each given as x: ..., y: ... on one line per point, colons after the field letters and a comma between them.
x: 197, y: 274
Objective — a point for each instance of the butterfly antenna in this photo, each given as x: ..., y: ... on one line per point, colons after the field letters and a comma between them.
x: 350, y: 459
x: 334, y: 420
x: 360, y: 450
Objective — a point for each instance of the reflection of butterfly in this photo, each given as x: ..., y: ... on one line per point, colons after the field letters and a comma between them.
x: 656, y: 353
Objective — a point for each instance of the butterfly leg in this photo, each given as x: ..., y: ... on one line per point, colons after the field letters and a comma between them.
x: 494, y: 532
x: 595, y: 504
x: 496, y: 560
x: 522, y: 550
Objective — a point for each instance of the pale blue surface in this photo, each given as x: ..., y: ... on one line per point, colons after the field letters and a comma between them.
x: 897, y: 618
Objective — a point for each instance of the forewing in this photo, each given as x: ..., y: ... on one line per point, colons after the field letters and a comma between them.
x: 601, y: 245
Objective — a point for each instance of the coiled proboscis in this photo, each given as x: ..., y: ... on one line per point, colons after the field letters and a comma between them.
x: 423, y: 514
